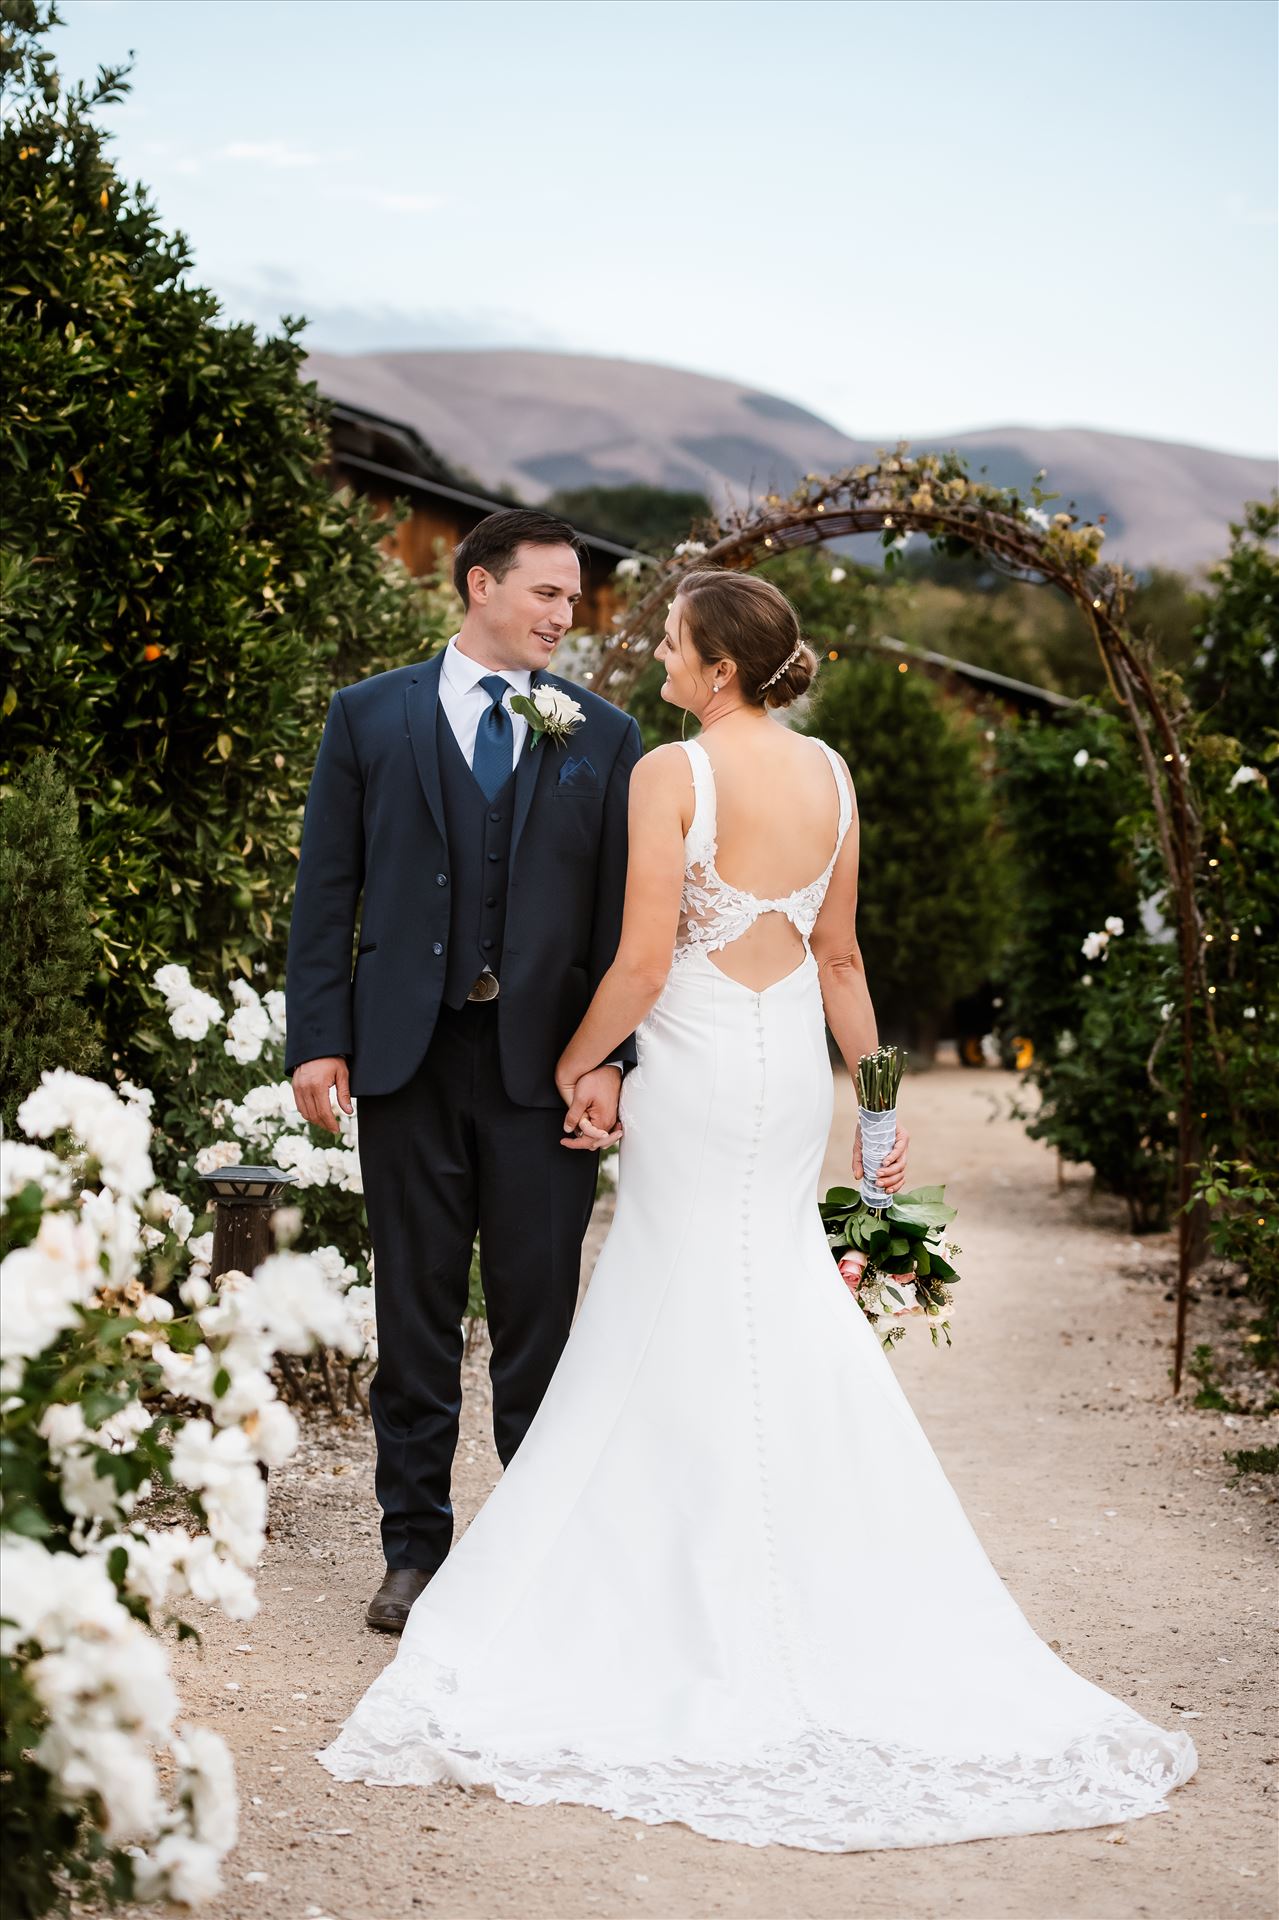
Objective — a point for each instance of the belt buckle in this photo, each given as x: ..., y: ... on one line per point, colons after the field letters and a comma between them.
x: 486, y: 987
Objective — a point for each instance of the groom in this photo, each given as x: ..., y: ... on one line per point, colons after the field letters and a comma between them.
x: 486, y: 864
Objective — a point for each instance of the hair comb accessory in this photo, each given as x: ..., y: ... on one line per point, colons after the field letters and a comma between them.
x: 789, y: 661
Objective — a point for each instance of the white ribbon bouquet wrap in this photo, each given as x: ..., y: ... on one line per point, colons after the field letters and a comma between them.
x: 878, y: 1078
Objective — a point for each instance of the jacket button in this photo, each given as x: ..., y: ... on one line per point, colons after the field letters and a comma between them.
x: 438, y: 948
x: 494, y: 858
x: 491, y: 901
x: 495, y: 816
x: 441, y: 879
x: 486, y: 944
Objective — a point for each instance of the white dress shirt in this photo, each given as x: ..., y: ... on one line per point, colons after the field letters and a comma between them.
x: 465, y: 701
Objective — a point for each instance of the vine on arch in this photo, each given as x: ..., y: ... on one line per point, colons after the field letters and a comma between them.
x: 934, y: 494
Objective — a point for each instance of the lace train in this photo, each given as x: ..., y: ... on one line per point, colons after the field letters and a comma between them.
x: 822, y: 1791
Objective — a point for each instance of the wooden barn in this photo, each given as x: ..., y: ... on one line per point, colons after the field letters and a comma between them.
x: 388, y: 461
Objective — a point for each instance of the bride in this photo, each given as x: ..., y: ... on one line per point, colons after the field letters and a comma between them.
x: 725, y: 1581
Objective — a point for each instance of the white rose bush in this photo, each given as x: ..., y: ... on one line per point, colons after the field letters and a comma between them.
x: 138, y: 1414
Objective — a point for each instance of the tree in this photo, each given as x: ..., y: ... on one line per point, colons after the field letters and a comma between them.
x: 654, y: 519
x: 933, y: 893
x: 48, y: 954
x: 179, y: 582
x: 1235, y: 677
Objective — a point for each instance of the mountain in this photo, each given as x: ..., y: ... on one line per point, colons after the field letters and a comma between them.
x: 538, y: 421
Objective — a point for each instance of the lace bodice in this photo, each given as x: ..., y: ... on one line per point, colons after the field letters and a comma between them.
x: 712, y: 913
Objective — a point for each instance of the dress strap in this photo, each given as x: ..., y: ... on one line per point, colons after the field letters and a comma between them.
x: 700, y: 838
x: 845, y: 797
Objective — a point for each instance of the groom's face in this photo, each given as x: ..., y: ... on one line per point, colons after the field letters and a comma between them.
x: 521, y: 619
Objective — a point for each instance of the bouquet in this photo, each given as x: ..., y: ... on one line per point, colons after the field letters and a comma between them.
x: 890, y: 1251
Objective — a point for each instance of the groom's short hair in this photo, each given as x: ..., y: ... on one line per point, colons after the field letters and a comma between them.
x: 492, y: 544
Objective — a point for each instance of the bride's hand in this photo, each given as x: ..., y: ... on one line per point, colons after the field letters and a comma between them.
x: 592, y: 1101
x: 892, y: 1171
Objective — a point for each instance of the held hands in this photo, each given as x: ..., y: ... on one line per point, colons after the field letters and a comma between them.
x: 592, y: 1101
x: 892, y: 1170
x: 312, y: 1083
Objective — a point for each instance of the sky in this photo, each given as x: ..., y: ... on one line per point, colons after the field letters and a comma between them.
x: 915, y: 217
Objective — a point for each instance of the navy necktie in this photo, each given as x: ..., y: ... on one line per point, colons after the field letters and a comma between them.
x: 493, y: 757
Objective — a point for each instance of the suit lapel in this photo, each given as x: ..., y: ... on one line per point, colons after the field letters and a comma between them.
x: 422, y: 698
x: 528, y: 773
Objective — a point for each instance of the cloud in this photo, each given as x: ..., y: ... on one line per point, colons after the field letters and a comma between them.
x: 369, y: 328
x: 270, y: 153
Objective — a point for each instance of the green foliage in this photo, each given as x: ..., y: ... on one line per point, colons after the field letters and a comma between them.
x: 1254, y: 1460
x: 47, y: 955
x: 180, y: 584
x: 654, y: 519
x: 1099, y: 1104
x: 933, y: 893
x: 963, y: 607
x: 1243, y: 1225
x: 1071, y: 856
x: 1235, y: 678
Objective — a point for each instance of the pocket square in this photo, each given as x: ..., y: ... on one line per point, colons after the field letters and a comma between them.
x: 576, y: 773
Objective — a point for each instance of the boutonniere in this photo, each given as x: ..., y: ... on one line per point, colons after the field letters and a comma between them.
x: 551, y: 714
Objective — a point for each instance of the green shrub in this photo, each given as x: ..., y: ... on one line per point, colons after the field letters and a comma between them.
x: 180, y: 584
x: 933, y: 892
x: 1064, y: 788
x: 48, y: 953
x: 1234, y: 681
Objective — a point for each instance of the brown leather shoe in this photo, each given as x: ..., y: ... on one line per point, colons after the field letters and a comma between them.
x: 389, y: 1607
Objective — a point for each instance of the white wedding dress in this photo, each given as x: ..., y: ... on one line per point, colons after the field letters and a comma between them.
x: 725, y: 1580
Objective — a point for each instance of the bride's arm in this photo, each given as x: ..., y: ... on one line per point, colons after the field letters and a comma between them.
x: 661, y: 806
x: 845, y: 991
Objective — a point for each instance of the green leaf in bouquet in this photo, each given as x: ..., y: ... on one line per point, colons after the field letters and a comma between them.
x: 923, y: 1261
x: 898, y: 1244
x: 836, y: 1197
x: 877, y: 1240
x: 921, y: 1207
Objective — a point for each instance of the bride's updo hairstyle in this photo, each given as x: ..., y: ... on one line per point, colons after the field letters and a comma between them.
x: 739, y: 617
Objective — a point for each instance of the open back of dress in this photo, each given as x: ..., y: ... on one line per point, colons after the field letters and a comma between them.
x: 718, y: 917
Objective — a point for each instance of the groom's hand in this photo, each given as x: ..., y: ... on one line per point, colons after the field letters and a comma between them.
x: 312, y: 1083
x: 591, y: 1120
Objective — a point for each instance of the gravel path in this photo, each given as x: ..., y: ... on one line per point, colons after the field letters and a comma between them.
x: 1104, y: 1505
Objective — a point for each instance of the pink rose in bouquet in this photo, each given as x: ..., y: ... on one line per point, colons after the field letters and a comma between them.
x: 852, y: 1266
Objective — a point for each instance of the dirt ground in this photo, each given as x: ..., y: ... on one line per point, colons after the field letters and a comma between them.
x: 1104, y: 1504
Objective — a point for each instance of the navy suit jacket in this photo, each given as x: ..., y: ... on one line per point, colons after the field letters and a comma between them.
x: 374, y: 846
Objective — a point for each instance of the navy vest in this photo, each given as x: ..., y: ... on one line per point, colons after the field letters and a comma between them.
x: 479, y: 841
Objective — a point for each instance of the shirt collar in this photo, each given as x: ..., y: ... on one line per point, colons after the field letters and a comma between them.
x: 464, y: 674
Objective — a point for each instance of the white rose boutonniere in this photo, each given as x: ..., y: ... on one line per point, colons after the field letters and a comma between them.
x: 552, y: 714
